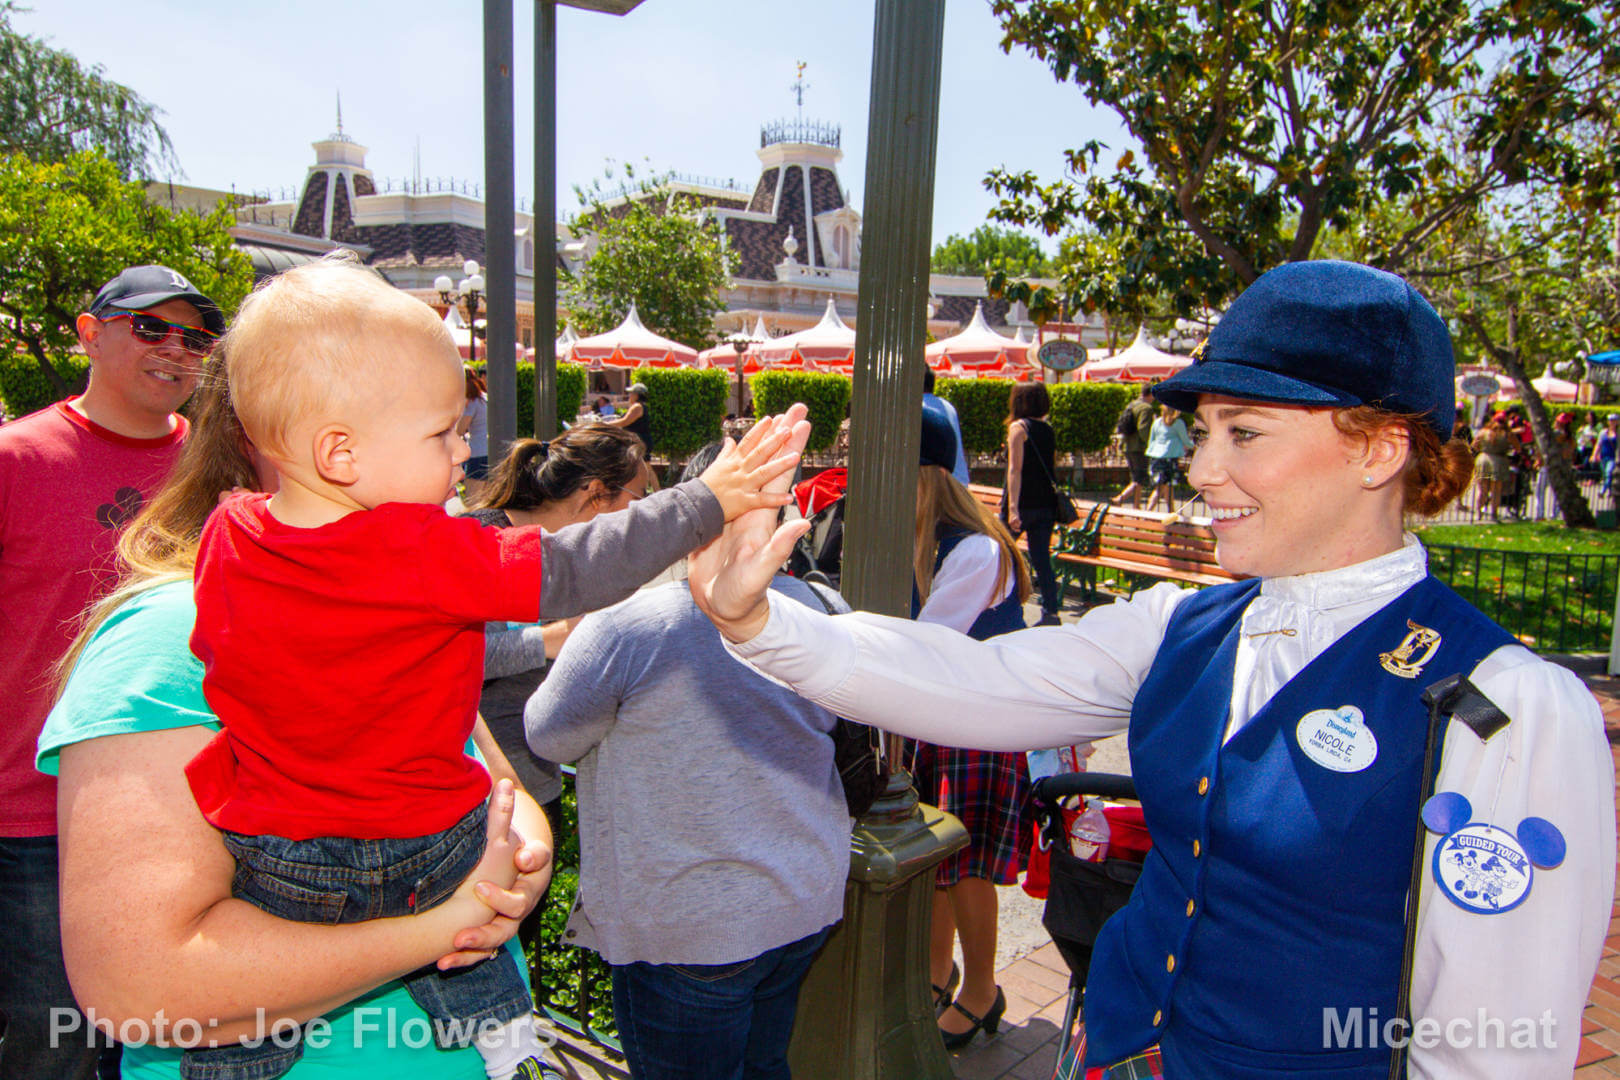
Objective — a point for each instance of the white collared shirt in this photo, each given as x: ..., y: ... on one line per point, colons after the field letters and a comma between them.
x: 1053, y: 686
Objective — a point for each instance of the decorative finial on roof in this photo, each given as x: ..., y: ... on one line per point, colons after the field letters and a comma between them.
x: 340, y: 112
x: 799, y: 87
x: 791, y: 244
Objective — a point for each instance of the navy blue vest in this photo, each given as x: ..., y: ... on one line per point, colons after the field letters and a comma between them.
x: 1276, y: 887
x: 1004, y: 618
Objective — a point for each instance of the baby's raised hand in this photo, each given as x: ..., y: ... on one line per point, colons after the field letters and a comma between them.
x: 741, y: 477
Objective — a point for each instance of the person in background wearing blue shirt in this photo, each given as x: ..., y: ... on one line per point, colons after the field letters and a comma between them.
x: 1166, y: 445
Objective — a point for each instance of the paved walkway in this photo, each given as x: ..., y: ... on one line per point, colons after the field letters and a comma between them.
x: 1037, y: 984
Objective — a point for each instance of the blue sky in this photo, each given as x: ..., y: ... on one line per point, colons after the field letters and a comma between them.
x: 684, y: 84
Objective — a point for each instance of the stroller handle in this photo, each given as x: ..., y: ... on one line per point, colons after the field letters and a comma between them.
x: 1051, y: 789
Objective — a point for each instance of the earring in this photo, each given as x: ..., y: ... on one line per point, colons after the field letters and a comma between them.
x: 1366, y: 481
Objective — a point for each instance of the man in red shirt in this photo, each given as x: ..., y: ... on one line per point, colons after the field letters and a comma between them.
x: 71, y: 476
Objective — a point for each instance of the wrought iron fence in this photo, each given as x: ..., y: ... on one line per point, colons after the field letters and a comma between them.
x: 1551, y: 601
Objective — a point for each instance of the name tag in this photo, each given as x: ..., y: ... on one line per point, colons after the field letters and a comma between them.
x: 1337, y: 739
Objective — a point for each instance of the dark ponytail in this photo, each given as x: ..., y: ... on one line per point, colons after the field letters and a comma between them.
x: 534, y: 473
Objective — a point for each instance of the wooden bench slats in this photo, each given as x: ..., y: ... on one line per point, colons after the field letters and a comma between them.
x: 1136, y: 542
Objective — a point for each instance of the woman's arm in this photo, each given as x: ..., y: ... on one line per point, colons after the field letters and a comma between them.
x: 631, y: 415
x: 1016, y: 436
x: 149, y: 925
x: 597, y: 563
x: 1531, y: 968
x: 964, y: 585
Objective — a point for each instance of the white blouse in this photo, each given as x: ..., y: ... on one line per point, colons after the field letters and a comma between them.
x: 1529, y: 968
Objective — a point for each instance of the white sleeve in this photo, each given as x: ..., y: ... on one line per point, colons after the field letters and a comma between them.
x: 1531, y: 967
x: 1038, y: 688
x: 962, y: 588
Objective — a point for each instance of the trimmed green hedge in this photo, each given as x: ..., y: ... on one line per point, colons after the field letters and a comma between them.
x: 1084, y: 414
x: 687, y: 406
x: 826, y: 396
x: 981, y: 406
x: 25, y: 389
x: 570, y: 393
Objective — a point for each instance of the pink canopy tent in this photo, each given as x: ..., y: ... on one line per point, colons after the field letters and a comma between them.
x: 724, y: 355
x: 463, y: 338
x: 829, y: 343
x: 629, y: 345
x: 1141, y: 361
x: 977, y: 346
x: 564, y: 341
x: 1552, y: 388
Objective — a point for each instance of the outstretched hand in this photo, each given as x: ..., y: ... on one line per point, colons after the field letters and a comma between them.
x: 730, y: 576
x: 755, y: 473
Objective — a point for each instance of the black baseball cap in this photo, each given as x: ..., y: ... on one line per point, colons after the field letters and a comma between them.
x: 142, y: 287
x: 1326, y: 333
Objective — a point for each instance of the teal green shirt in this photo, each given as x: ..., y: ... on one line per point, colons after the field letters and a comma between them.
x: 137, y: 674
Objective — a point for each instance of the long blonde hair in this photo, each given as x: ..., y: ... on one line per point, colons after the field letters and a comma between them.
x: 941, y: 499
x: 160, y: 545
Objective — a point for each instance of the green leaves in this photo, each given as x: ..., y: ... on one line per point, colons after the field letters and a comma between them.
x: 52, y: 107
x: 826, y: 395
x: 988, y: 248
x: 1258, y: 124
x: 653, y: 249
x: 68, y: 227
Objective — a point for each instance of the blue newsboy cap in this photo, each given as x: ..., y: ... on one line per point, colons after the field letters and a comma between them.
x: 1326, y: 333
x: 938, y: 446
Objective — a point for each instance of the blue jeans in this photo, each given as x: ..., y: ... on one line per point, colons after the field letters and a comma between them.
x: 333, y: 879
x: 1038, y: 527
x: 33, y: 980
x: 712, y: 1021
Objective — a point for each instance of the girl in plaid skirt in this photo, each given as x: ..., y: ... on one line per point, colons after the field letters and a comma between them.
x: 968, y: 576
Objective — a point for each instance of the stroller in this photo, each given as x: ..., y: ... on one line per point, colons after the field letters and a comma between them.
x: 1082, y: 895
x: 820, y: 551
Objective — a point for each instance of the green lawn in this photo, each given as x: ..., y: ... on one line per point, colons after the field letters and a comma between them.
x: 1545, y: 583
x: 1526, y: 536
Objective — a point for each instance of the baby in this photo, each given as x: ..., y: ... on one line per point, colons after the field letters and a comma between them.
x: 340, y: 623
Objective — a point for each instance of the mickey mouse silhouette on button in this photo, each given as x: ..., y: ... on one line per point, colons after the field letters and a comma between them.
x: 1482, y: 868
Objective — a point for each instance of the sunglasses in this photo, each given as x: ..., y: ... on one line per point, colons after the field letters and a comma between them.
x: 151, y: 330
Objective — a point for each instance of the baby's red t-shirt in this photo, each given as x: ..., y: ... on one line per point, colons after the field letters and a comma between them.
x: 345, y: 663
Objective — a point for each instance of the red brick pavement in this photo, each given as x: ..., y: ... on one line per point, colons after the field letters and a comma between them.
x: 1600, y: 1029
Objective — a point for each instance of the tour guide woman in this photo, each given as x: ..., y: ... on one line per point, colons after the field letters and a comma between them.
x: 1278, y: 728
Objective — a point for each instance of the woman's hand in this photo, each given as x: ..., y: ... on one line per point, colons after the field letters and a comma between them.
x: 730, y: 575
x: 747, y: 475
x: 509, y: 881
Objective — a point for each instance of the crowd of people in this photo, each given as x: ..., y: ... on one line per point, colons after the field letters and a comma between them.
x: 285, y: 735
x: 1511, y: 470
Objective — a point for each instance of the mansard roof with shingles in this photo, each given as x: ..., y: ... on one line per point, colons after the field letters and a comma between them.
x: 416, y: 244
x: 312, y: 208
x: 959, y: 309
x: 825, y: 194
x: 758, y: 244
x: 764, y: 193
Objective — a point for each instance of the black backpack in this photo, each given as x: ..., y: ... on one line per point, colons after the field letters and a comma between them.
x: 1127, y: 423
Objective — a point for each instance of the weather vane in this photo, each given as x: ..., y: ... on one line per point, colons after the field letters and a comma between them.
x: 799, y: 87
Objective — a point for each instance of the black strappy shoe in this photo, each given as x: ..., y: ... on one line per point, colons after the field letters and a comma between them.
x: 990, y: 1022
x: 943, y: 994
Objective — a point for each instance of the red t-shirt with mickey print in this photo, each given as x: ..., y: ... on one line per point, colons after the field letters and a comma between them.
x: 67, y: 486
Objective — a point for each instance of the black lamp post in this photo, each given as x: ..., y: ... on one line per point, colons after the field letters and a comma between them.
x: 740, y: 343
x: 469, y: 290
